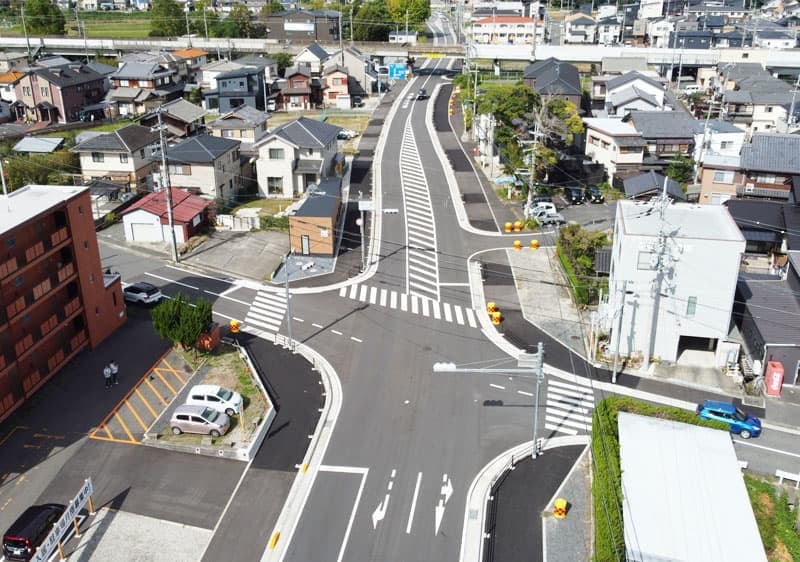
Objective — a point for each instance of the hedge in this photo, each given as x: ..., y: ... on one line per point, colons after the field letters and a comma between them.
x: 580, y: 291
x: 606, y: 483
x: 774, y: 517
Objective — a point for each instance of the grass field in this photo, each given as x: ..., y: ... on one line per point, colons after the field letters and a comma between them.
x: 104, y: 25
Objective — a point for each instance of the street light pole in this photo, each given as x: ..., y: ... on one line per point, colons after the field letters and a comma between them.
x: 286, y: 265
x: 530, y: 365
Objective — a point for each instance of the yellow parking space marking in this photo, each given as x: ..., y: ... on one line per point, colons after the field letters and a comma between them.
x: 125, y: 427
x: 136, y: 415
x: 174, y: 371
x: 169, y: 386
x: 10, y: 433
x: 108, y: 432
x: 158, y: 394
x: 146, y: 403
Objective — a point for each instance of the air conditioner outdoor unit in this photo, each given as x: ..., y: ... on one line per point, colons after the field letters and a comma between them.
x: 749, y: 187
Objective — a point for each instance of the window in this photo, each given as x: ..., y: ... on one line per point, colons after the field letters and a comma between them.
x: 297, y: 84
x: 141, y: 153
x: 97, y: 157
x: 44, y: 91
x: 646, y: 260
x: 123, y: 158
x: 274, y: 186
x: 227, y: 133
x: 723, y: 177
x: 768, y: 109
x: 726, y: 144
x: 276, y: 154
x: 85, y: 244
x: 26, y: 91
x: 691, y: 306
x: 124, y: 83
x: 180, y: 169
x: 766, y: 178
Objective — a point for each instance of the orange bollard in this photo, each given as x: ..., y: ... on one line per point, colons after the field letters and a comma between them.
x: 560, y: 508
x: 518, y: 226
x: 508, y: 227
x: 497, y: 317
x: 517, y: 245
x: 534, y: 244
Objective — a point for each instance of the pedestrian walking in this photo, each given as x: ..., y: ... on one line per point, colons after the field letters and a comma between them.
x: 107, y: 376
x: 114, y: 371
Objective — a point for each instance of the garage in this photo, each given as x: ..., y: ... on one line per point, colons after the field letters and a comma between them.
x: 144, y: 232
x: 147, y: 220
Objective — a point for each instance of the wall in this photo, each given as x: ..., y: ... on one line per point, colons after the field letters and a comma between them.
x: 265, y: 168
x: 322, y: 239
x: 708, y: 187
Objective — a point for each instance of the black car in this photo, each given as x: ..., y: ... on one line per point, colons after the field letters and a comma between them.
x: 29, y: 530
x: 357, y: 101
x: 594, y: 194
x: 574, y: 195
x: 422, y: 94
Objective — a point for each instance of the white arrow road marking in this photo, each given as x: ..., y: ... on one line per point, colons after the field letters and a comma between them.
x: 380, y: 512
x: 413, y: 504
x: 439, y: 515
x: 447, y: 488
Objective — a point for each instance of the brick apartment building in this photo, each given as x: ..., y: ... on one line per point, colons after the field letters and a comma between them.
x: 54, y: 299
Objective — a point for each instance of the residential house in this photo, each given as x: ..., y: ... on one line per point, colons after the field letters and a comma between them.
x: 166, y: 60
x: 713, y: 23
x: 769, y: 39
x: 204, y: 165
x: 692, y: 303
x: 123, y: 155
x: 719, y: 176
x: 294, y: 156
x: 210, y: 71
x: 147, y: 220
x: 659, y: 32
x: 56, y: 94
x: 138, y: 87
x: 8, y: 83
x: 617, y: 145
x: 245, y: 124
x: 302, y: 26
x: 633, y: 91
x: 651, y: 9
x: 180, y: 117
x: 763, y: 226
x: 729, y: 39
x: 554, y: 78
x: 314, y: 57
x: 10, y: 60
x: 667, y: 134
x: 731, y: 10
x: 579, y: 28
x: 269, y: 65
x: 295, y: 91
x: 691, y: 39
x: 643, y: 187
x: 313, y: 226
x: 334, y: 85
x: 716, y: 136
x: 729, y: 75
x: 608, y: 31
x: 770, y: 164
x: 762, y: 103
x: 195, y: 60
x: 243, y: 86
x: 505, y: 30
x: 361, y: 73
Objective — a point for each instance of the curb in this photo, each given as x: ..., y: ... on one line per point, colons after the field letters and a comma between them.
x: 472, y: 535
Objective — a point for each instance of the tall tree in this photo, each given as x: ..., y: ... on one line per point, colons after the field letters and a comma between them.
x: 283, y: 59
x: 203, y: 18
x: 42, y: 17
x: 167, y: 19
x: 372, y: 22
x: 418, y: 11
x: 240, y: 21
x: 269, y: 8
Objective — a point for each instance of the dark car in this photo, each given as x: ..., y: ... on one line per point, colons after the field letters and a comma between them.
x: 594, y: 194
x: 574, y: 195
x: 422, y: 94
x: 29, y: 530
x: 740, y: 422
x: 357, y: 101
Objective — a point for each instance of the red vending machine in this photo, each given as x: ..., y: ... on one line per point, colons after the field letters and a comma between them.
x: 774, y: 378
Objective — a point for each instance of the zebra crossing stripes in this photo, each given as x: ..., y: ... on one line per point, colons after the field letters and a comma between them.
x: 267, y: 311
x: 422, y: 260
x: 568, y: 407
x: 421, y: 306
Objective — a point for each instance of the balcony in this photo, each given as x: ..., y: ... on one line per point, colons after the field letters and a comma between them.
x: 752, y: 191
x: 28, y: 296
x: 50, y: 240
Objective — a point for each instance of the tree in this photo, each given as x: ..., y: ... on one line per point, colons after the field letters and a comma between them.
x: 681, y: 169
x: 271, y: 7
x: 418, y: 11
x: 203, y: 18
x: 283, y: 59
x: 239, y: 22
x: 42, y: 17
x: 166, y: 19
x: 567, y: 112
x: 372, y: 22
x: 508, y: 102
x: 178, y: 320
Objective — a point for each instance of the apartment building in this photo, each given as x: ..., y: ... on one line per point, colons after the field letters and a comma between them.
x: 55, y: 299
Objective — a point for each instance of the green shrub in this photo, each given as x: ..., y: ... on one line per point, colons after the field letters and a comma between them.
x: 578, y: 290
x: 774, y: 517
x: 274, y: 223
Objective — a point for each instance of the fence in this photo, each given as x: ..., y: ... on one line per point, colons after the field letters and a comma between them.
x: 236, y: 223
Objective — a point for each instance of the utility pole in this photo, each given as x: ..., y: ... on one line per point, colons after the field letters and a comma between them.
x: 361, y: 229
x: 680, y: 66
x: 25, y: 30
x: 529, y: 365
x: 341, y: 39
x: 205, y: 22
x: 286, y: 266
x: 790, y: 118
x: 82, y: 30
x: 167, y: 187
x: 351, y: 26
x: 406, y: 25
x: 188, y: 29
x: 672, y: 62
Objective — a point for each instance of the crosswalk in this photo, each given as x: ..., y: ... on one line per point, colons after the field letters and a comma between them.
x: 267, y: 311
x: 422, y: 256
x: 569, y: 407
x: 411, y: 303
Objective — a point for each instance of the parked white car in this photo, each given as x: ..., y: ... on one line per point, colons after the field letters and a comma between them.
x: 216, y: 397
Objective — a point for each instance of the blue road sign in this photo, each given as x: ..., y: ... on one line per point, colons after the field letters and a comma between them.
x: 397, y: 71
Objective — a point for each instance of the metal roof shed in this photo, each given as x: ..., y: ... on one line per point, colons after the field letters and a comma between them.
x: 685, y: 497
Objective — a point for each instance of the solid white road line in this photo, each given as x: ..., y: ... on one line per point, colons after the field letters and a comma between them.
x: 198, y: 274
x: 587, y: 386
x: 352, y: 517
x: 298, y: 319
x: 770, y: 449
x: 413, y: 504
x: 168, y: 280
x: 566, y: 422
x: 345, y: 469
x: 577, y: 381
x: 566, y: 430
x: 572, y: 408
x: 337, y: 332
x: 317, y: 325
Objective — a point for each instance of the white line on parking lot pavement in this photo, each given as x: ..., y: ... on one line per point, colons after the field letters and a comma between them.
x: 779, y: 451
x: 168, y: 280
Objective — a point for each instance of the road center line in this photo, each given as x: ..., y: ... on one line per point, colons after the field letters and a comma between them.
x: 497, y: 386
x: 168, y: 280
x: 413, y: 504
x: 356, y: 339
x: 337, y: 332
x: 787, y: 453
x: 317, y: 325
x: 297, y: 319
x: 525, y: 393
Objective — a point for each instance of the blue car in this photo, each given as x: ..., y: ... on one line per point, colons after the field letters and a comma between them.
x: 744, y: 424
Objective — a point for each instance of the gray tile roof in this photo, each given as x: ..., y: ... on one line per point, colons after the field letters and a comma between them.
x: 583, y: 20
x: 321, y: 200
x: 67, y: 76
x: 307, y: 133
x: 740, y: 70
x: 140, y: 70
x: 663, y: 124
x: 241, y: 72
x: 553, y: 76
x: 772, y: 152
x: 258, y: 61
x: 652, y: 181
x: 773, y: 307
x: 202, y: 149
x: 184, y: 110
x: 126, y: 139
x: 316, y: 50
x: 244, y: 115
x: 618, y: 81
x: 100, y: 68
x: 632, y: 93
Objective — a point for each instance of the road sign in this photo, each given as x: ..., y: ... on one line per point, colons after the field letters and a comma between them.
x: 397, y: 71
x: 50, y: 542
x: 366, y: 205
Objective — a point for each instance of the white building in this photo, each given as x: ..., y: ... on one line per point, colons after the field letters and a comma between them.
x: 650, y: 9
x: 659, y: 31
x: 672, y: 279
x: 579, y: 28
x: 205, y: 165
x: 721, y: 139
x: 510, y: 30
x: 615, y: 144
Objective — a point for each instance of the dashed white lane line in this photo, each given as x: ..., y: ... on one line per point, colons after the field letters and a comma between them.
x: 317, y: 325
x: 297, y: 319
x: 356, y: 339
x: 497, y: 386
x: 525, y: 393
x: 337, y: 332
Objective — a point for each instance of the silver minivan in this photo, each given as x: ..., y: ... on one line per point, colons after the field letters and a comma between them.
x: 199, y: 419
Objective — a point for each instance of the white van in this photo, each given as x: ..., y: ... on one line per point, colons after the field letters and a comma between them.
x: 693, y: 89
